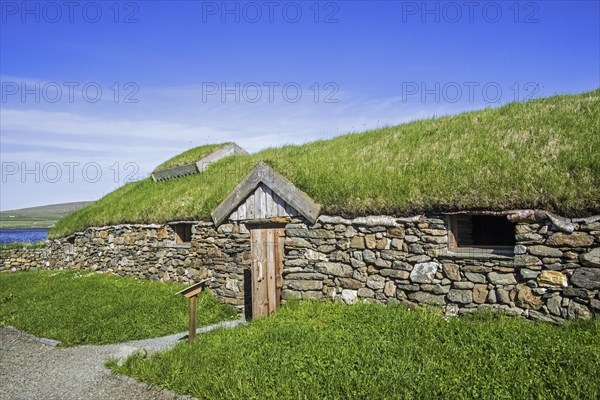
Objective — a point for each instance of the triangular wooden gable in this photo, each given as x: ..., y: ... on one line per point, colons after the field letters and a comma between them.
x: 263, y: 203
x: 265, y: 194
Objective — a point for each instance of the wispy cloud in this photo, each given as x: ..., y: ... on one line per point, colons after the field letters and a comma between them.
x: 65, y: 123
x: 167, y: 122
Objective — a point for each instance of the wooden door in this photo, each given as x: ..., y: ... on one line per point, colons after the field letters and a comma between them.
x: 267, y: 263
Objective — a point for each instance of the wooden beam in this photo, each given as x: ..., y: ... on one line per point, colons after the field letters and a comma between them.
x: 452, y: 232
x: 193, y: 311
x: 268, y: 221
x: 192, y: 293
x: 195, y: 289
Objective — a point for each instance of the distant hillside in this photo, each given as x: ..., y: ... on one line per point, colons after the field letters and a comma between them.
x: 544, y: 153
x: 38, y: 217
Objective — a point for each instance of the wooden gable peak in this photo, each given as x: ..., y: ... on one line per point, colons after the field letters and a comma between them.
x: 277, y: 183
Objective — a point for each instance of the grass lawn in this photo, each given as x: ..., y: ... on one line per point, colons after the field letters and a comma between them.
x: 22, y: 245
x: 539, y: 154
x: 324, y: 350
x: 78, y: 307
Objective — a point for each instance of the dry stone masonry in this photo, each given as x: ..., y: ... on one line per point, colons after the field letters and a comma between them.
x: 552, y: 274
x: 150, y: 252
x: 23, y: 260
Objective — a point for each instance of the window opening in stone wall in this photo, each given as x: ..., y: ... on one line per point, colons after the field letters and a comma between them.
x: 70, y: 246
x: 183, y: 233
x: 481, y: 231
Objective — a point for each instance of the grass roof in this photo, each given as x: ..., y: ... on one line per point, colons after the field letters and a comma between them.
x: 544, y: 154
x: 190, y: 156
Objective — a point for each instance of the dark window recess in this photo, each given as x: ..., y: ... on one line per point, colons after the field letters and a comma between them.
x: 70, y: 246
x: 481, y: 231
x: 183, y: 233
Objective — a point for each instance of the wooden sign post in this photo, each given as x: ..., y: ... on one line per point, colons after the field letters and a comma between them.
x: 192, y: 293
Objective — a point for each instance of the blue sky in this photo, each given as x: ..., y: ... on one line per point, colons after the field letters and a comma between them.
x: 95, y: 92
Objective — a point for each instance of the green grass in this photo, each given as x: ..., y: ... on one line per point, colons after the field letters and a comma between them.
x: 190, y: 156
x: 86, y: 307
x: 26, y: 222
x: 540, y: 154
x: 332, y: 351
x: 22, y: 245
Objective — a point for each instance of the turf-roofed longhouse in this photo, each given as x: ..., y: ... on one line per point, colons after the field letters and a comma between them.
x: 495, y: 208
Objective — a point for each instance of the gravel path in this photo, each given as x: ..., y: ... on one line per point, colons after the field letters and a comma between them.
x: 162, y: 343
x: 32, y: 370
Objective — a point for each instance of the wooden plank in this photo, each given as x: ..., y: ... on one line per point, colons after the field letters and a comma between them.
x: 268, y: 201
x: 264, y: 272
x: 270, y: 262
x: 259, y: 293
x: 273, y: 268
x: 280, y: 206
x: 300, y: 201
x: 250, y: 207
x: 275, y: 208
x: 276, y: 204
x: 267, y: 222
x: 257, y: 211
x: 238, y: 212
x: 195, y: 289
x: 253, y: 271
x: 279, y: 256
x: 263, y: 201
x: 254, y: 234
x: 452, y: 232
x: 241, y: 212
x: 193, y: 312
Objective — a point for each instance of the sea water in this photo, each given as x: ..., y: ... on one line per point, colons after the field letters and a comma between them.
x: 23, y: 235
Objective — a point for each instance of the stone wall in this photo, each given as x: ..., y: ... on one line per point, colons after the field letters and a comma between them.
x: 150, y: 252
x: 23, y: 259
x: 552, y: 273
